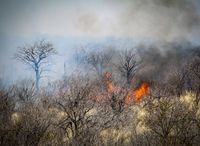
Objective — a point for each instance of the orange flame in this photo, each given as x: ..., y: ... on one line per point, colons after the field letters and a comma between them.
x: 109, y: 84
x: 141, y: 91
x: 138, y: 94
x: 131, y: 95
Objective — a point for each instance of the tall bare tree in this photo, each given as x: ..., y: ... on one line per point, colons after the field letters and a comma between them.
x: 128, y: 65
x: 36, y: 56
x: 99, y: 61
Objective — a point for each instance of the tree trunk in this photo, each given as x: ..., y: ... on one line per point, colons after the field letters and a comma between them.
x: 37, y: 79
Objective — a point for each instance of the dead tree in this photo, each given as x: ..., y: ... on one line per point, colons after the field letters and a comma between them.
x: 170, y: 122
x: 176, y: 82
x: 194, y: 74
x: 24, y: 91
x: 7, y: 105
x: 99, y: 61
x: 35, y: 56
x: 79, y: 122
x: 127, y: 66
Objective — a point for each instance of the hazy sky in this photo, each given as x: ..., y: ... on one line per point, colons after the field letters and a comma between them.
x: 69, y: 24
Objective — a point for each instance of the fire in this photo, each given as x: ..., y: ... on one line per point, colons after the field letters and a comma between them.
x: 137, y: 94
x: 131, y: 95
x: 109, y: 84
x: 141, y: 91
x: 100, y: 97
x: 107, y: 74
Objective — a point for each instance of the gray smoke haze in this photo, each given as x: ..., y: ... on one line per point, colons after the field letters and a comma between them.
x: 161, y: 19
x: 160, y: 60
x: 66, y: 22
x: 157, y: 19
x: 153, y: 19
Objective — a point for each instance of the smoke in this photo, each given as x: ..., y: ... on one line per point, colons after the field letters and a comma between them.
x: 152, y: 19
x: 165, y: 20
x: 174, y: 24
x: 131, y: 20
x: 160, y: 19
x: 159, y: 60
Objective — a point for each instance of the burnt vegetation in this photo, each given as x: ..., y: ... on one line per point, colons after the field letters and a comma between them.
x: 140, y: 96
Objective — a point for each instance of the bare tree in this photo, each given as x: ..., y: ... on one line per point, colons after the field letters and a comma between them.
x: 24, y: 91
x: 99, y: 61
x: 193, y: 70
x: 169, y: 121
x: 128, y: 65
x: 36, y: 56
x: 7, y: 105
x: 75, y: 101
x: 176, y: 82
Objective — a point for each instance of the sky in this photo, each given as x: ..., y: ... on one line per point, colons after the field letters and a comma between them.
x: 71, y: 24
